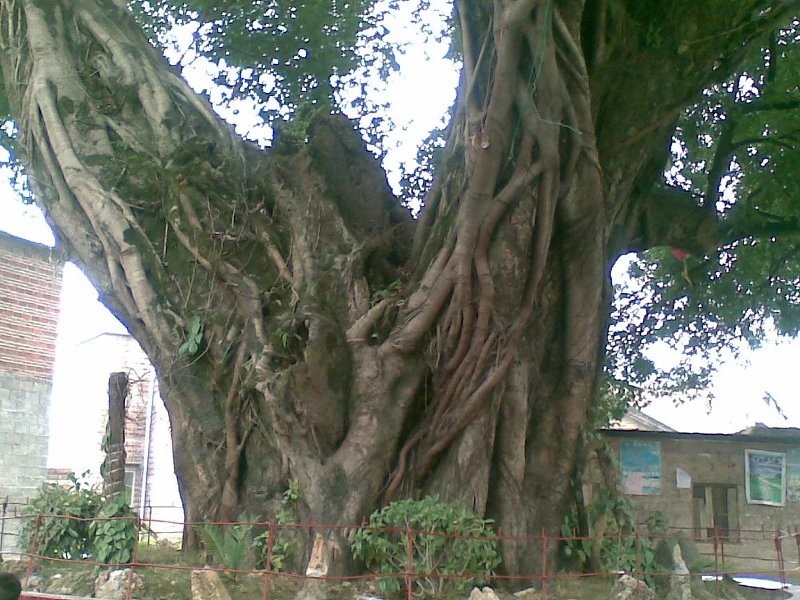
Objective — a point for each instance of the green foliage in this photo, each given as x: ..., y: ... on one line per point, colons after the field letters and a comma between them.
x: 448, y: 539
x: 656, y: 523
x: 281, y: 54
x: 286, y: 514
x: 76, y: 523
x: 286, y: 60
x: 387, y: 293
x: 235, y: 546
x: 612, y: 399
x: 231, y: 546
x: 284, y: 548
x: 735, y: 152
x: 63, y: 529
x: 612, y: 540
x: 113, y: 532
x: 194, y: 337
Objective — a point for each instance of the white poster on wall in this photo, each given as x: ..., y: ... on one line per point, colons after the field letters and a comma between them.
x: 765, y: 477
x: 683, y: 481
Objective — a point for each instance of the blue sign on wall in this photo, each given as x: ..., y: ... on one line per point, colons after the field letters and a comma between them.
x: 640, y: 463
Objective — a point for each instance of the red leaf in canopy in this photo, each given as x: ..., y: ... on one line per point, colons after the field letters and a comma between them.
x: 679, y: 254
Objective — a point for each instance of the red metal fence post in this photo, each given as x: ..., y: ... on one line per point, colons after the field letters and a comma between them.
x: 797, y: 542
x: 34, y: 547
x: 717, y: 574
x: 544, y: 564
x: 268, y: 559
x: 779, y: 553
x: 409, y: 563
x: 638, y: 568
x: 149, y: 522
x: 134, y: 555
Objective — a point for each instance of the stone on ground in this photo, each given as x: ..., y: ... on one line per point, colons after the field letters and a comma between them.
x: 113, y: 585
x: 630, y: 588
x: 486, y: 593
x: 206, y: 585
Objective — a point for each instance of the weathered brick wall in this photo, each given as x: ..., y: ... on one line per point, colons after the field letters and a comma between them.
x: 30, y: 286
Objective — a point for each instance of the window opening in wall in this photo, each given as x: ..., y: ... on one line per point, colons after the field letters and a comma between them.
x: 715, y: 511
x: 130, y: 483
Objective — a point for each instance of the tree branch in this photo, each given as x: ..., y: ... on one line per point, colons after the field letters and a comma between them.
x: 668, y: 217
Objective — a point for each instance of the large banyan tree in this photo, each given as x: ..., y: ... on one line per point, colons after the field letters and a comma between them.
x: 305, y: 327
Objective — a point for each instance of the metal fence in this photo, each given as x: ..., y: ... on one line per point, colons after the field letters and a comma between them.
x: 9, y: 523
x: 768, y: 554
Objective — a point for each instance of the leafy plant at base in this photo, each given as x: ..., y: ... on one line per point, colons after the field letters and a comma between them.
x: 77, y: 524
x: 448, y: 539
x: 64, y: 528
x: 612, y: 539
x: 113, y: 533
x: 574, y: 545
x: 230, y: 545
x: 283, y: 549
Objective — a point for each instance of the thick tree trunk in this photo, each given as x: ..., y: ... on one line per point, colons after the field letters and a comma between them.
x: 262, y: 285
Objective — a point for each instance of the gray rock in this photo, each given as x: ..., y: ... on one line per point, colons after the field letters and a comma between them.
x: 34, y: 583
x: 206, y: 585
x: 689, y: 552
x: 113, y: 585
x: 630, y: 588
x: 680, y: 583
x: 71, y: 584
x: 527, y: 594
x: 486, y: 593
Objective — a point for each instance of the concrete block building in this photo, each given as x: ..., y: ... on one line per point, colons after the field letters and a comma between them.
x: 30, y: 285
x: 736, y: 495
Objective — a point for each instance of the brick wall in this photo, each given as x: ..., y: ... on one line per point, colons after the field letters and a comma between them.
x: 30, y: 286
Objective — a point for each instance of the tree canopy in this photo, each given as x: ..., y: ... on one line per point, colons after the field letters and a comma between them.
x: 734, y: 151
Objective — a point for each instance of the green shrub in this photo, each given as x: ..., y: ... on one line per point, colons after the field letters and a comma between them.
x: 448, y: 539
x: 68, y: 529
x: 231, y: 546
x: 612, y: 541
x: 234, y: 546
x: 114, y: 533
x: 66, y: 537
x: 285, y: 546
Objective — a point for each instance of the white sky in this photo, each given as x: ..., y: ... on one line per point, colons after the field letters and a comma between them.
x: 739, y: 391
x: 418, y: 99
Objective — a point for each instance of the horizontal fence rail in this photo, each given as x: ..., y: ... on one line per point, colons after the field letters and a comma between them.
x: 774, y: 554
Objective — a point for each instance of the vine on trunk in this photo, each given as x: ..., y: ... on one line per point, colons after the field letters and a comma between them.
x: 525, y: 128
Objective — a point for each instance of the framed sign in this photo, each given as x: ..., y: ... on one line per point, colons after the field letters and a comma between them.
x: 765, y: 477
x: 793, y: 475
x: 640, y: 463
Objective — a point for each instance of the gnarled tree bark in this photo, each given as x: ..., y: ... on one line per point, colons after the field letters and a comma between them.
x: 264, y: 285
